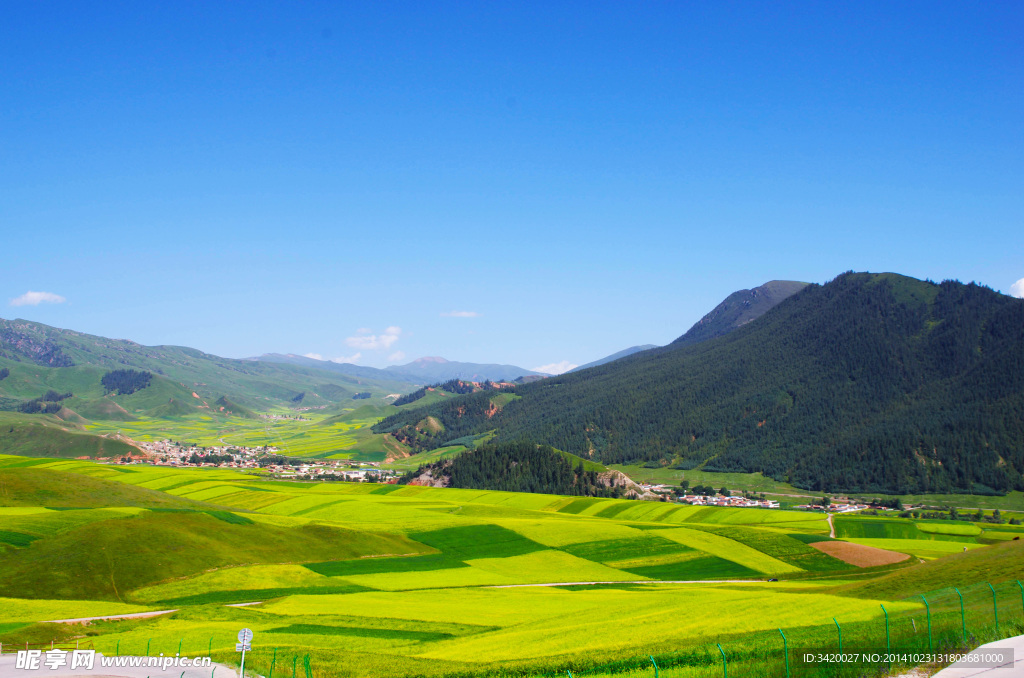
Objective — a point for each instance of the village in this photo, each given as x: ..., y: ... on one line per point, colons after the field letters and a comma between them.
x: 274, y: 465
x: 725, y: 498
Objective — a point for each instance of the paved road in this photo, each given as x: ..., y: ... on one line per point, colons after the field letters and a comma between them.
x: 8, y: 670
x: 1014, y: 669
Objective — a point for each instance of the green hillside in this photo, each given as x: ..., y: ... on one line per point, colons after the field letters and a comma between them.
x: 49, y: 436
x: 1000, y: 563
x: 868, y: 383
x: 127, y: 553
x: 40, y: 357
x: 30, y: 486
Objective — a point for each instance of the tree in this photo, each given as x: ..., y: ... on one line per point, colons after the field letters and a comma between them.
x: 724, y: 492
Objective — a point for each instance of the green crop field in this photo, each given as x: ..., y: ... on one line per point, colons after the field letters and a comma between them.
x: 387, y: 580
x: 943, y: 527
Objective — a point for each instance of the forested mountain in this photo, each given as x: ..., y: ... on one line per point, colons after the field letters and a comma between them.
x: 515, y: 467
x: 871, y: 382
x: 614, y: 356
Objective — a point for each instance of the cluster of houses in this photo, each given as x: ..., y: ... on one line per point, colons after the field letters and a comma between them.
x: 665, y: 491
x: 734, y: 502
x: 335, y: 470
x: 171, y: 453
x: 837, y: 507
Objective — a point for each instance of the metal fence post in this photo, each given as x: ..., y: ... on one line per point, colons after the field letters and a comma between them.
x: 272, y: 663
x: 963, y: 619
x: 117, y: 652
x: 180, y: 641
x: 785, y: 650
x: 147, y: 646
x: 1021, y: 587
x: 840, y: 629
x: 725, y: 664
x: 209, y: 649
x: 995, y: 606
x: 309, y: 669
x: 656, y: 672
x: 888, y: 645
x: 929, y: 609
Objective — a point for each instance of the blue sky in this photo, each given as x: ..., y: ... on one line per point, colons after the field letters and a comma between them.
x: 492, y: 182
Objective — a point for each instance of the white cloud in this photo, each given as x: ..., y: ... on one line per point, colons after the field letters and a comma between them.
x: 314, y: 356
x: 1017, y: 289
x: 396, y: 356
x: 556, y: 368
x: 364, y: 330
x: 347, y: 359
x: 36, y: 298
x: 460, y: 314
x: 372, y: 342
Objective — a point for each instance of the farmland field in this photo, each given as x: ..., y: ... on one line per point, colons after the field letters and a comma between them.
x: 395, y: 580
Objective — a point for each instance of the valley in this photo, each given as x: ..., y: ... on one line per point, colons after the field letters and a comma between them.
x: 369, y: 524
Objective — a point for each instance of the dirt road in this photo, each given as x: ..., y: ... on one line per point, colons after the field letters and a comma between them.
x: 136, y: 615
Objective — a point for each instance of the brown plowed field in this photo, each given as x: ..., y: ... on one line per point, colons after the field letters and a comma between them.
x: 858, y: 554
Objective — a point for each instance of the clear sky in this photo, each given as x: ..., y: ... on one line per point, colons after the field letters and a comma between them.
x: 525, y: 183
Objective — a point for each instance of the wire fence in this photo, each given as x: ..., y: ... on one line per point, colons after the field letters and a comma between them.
x: 952, y: 619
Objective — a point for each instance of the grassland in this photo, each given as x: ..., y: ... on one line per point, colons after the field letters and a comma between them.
x: 315, y: 435
x: 394, y: 580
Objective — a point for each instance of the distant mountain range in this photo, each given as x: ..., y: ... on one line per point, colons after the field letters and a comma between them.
x: 871, y: 382
x: 36, y: 359
x: 429, y: 370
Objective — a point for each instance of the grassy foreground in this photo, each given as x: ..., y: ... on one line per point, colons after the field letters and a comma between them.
x: 388, y: 580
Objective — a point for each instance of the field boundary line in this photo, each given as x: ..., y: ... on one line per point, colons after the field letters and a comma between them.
x: 643, y: 581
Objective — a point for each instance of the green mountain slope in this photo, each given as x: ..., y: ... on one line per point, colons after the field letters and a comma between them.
x: 868, y: 383
x: 127, y: 553
x: 185, y: 380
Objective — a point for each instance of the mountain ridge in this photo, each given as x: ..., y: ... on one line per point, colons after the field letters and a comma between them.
x: 614, y: 356
x: 871, y: 382
x: 425, y: 370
